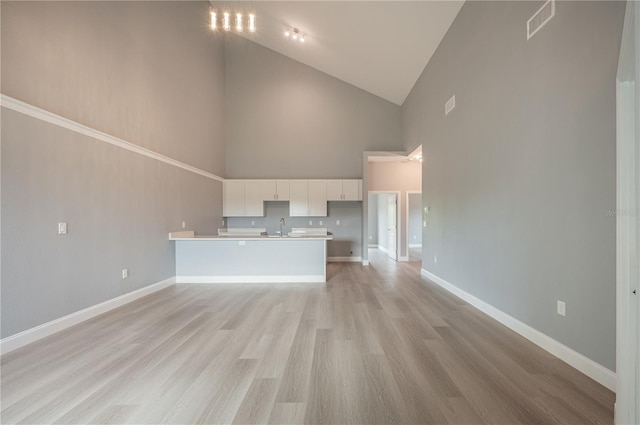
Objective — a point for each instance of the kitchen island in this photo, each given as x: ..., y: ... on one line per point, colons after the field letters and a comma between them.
x: 250, y: 259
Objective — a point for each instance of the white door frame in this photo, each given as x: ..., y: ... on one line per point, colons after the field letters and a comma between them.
x: 398, y: 212
x: 627, y: 214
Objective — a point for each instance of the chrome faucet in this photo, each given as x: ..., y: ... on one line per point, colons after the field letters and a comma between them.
x: 281, y: 225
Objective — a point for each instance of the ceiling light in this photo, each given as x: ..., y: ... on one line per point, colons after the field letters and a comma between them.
x: 214, y: 20
x: 226, y: 21
x: 295, y: 34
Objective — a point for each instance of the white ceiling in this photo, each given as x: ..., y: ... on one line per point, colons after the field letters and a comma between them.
x: 379, y: 46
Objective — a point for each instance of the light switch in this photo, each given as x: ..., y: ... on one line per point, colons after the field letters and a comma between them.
x: 62, y: 228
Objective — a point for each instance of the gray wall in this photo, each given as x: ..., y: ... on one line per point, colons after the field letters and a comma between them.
x: 520, y: 174
x: 373, y: 219
x: 415, y: 219
x: 347, y: 237
x: 287, y: 120
x: 150, y: 73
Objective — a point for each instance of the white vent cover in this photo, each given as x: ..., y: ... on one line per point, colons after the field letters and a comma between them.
x: 451, y: 103
x: 541, y: 17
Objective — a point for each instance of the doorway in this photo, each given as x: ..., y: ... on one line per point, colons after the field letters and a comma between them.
x: 383, y: 223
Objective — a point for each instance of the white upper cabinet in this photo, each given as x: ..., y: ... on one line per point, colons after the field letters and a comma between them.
x: 317, y: 198
x: 308, y: 198
x: 243, y: 198
x: 233, y: 198
x: 275, y: 190
x: 253, y: 199
x: 344, y: 190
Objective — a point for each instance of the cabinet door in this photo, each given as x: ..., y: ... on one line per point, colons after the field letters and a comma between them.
x: 253, y: 199
x: 269, y: 190
x: 318, y: 198
x: 298, y: 198
x: 334, y: 190
x: 233, y: 202
x: 351, y: 190
x: 283, y: 188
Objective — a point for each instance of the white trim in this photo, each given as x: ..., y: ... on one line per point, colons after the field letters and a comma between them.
x: 415, y: 245
x: 403, y: 258
x: 627, y: 215
x: 344, y: 259
x: 373, y: 245
x: 365, y: 262
x: 252, y: 279
x: 585, y: 365
x: 51, y: 118
x: 23, y: 338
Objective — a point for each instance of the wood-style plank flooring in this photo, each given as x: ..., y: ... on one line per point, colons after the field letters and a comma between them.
x: 375, y: 345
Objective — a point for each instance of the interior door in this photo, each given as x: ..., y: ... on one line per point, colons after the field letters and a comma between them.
x: 628, y: 222
x: 392, y: 226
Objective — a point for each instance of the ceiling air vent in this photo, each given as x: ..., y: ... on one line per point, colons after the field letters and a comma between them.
x: 541, y: 17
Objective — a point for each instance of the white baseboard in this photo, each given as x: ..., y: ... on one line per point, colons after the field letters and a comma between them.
x: 403, y: 258
x: 365, y: 262
x: 415, y: 245
x: 23, y: 338
x: 585, y: 365
x: 373, y: 245
x: 344, y: 259
x: 252, y: 279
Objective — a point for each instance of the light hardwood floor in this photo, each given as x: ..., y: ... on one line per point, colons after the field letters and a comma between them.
x: 375, y: 345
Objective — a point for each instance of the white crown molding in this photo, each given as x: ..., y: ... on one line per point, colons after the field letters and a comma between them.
x: 585, y: 365
x: 23, y: 338
x: 40, y: 114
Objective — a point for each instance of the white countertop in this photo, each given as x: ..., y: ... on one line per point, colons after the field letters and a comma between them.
x: 190, y: 236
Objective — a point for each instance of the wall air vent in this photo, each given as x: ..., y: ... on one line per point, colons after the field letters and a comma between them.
x: 541, y: 17
x: 451, y: 103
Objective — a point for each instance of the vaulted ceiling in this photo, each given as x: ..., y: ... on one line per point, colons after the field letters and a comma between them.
x: 379, y: 46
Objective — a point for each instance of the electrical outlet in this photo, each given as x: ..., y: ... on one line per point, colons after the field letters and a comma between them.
x: 320, y: 222
x: 125, y: 273
x: 184, y: 224
x: 435, y: 259
x: 62, y: 228
x: 310, y: 222
x: 253, y: 222
x: 337, y: 222
x: 561, y: 308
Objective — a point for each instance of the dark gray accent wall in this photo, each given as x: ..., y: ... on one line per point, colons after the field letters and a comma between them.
x: 149, y: 73
x: 520, y: 175
x: 288, y: 120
